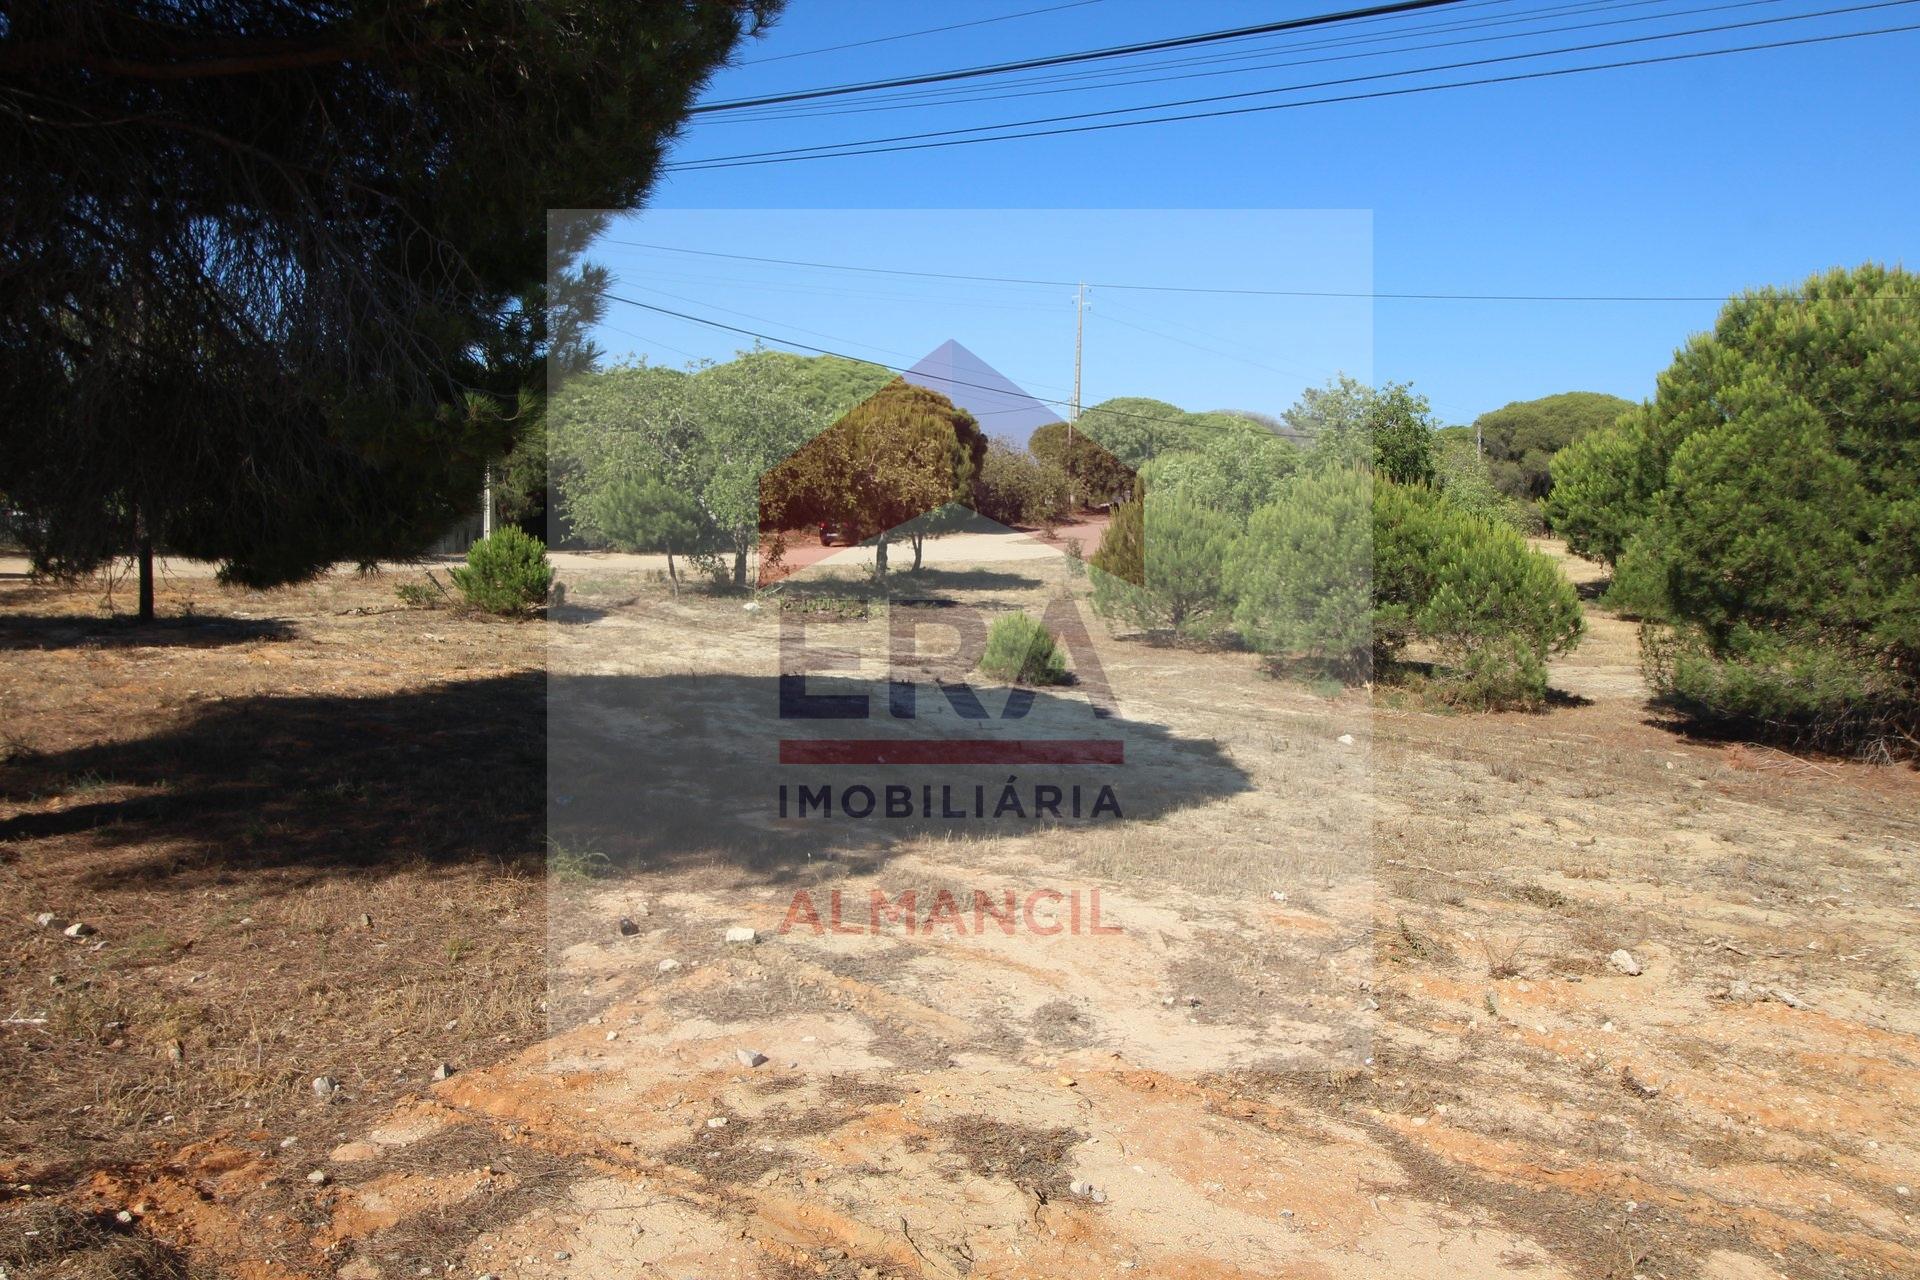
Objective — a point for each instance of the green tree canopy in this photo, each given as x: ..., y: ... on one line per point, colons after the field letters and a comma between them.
x: 1135, y: 429
x: 1233, y: 469
x: 262, y: 256
x: 1520, y: 439
x: 1095, y: 473
x: 645, y: 513
x: 713, y: 433
x: 1390, y: 427
x: 901, y: 453
x: 1766, y: 501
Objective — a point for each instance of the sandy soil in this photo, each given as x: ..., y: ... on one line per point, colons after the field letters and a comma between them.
x: 1358, y: 1018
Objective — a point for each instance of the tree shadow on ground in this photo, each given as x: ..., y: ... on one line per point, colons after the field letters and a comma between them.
x: 68, y: 631
x: 658, y: 771
x: 647, y: 773
x: 446, y: 774
x: 906, y: 584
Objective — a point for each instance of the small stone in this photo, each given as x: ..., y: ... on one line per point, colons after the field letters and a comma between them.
x: 742, y: 935
x: 669, y: 965
x: 1903, y: 1191
x: 561, y: 1255
x: 1346, y: 739
x: 1080, y: 1188
x: 627, y: 927
x: 442, y: 1070
x: 46, y: 919
x: 289, y: 1141
x: 1097, y: 1196
x: 318, y: 1177
x: 176, y: 1052
x: 749, y: 1057
x: 717, y: 1122
x: 612, y: 1036
x: 79, y: 929
x: 1787, y: 998
x: 1623, y: 961
x: 323, y: 1086
x: 1192, y: 1002
x: 366, y: 921
x: 1742, y: 992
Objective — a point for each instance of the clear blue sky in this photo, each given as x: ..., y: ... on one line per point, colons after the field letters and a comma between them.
x: 1698, y: 177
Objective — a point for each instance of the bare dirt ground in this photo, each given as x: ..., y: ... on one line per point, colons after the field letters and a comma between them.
x: 1419, y: 1063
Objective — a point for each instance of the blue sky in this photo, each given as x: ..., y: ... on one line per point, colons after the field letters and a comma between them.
x: 1696, y: 178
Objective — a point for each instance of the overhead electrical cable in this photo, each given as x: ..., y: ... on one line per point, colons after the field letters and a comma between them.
x: 925, y: 31
x: 1179, y: 288
x: 1087, y: 55
x: 1092, y: 82
x: 950, y: 137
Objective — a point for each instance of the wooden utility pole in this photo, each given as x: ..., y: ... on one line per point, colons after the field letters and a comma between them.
x: 1073, y: 412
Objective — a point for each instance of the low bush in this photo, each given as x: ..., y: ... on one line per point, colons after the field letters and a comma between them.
x: 1163, y: 562
x: 506, y: 573
x: 1498, y: 611
x: 1016, y: 489
x: 1020, y: 650
x: 1798, y: 690
x: 1346, y: 570
x: 1302, y: 574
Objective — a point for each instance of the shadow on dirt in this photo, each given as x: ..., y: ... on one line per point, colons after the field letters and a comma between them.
x: 65, y: 631
x: 647, y: 773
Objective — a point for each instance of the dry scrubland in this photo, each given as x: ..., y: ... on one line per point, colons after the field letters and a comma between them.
x: 306, y: 828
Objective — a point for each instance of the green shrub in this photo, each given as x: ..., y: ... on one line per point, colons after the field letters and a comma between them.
x: 1797, y: 689
x: 1301, y: 575
x: 1498, y: 611
x: 647, y: 514
x: 1022, y: 651
x: 1410, y: 524
x: 1236, y: 468
x: 1180, y: 547
x: 1467, y: 479
x: 1015, y: 488
x: 421, y: 595
x: 1346, y: 569
x: 506, y: 573
x: 1766, y: 504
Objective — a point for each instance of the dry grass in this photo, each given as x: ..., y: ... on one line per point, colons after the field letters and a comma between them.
x: 250, y: 790
x: 40, y: 1240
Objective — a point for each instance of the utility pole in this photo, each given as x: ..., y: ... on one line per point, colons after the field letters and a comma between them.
x: 486, y: 504
x: 1073, y: 413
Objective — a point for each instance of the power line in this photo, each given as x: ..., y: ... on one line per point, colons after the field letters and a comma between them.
x: 828, y: 351
x: 748, y: 315
x: 925, y: 31
x: 1171, y: 288
x: 1094, y: 81
x: 1087, y: 55
x: 951, y: 138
